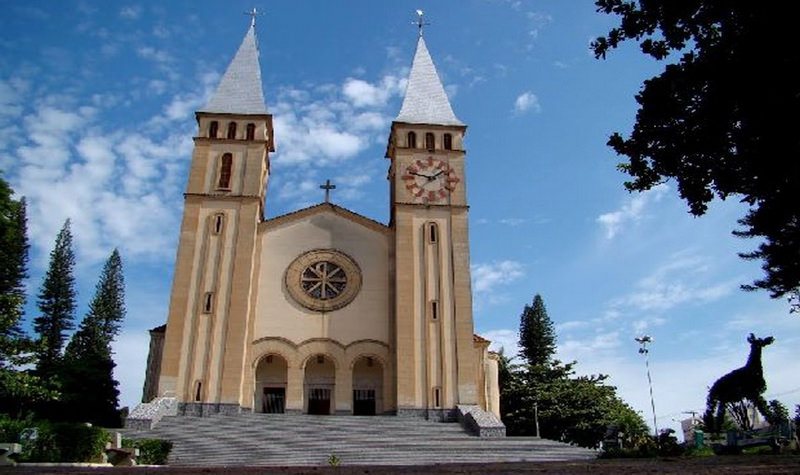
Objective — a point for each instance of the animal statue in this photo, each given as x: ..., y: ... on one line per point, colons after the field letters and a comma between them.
x: 743, y: 383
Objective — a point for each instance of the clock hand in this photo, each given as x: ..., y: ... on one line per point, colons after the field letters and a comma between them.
x: 430, y: 178
x: 435, y: 176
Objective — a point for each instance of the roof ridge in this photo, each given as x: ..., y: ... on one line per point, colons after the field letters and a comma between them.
x: 240, y: 89
x: 425, y: 101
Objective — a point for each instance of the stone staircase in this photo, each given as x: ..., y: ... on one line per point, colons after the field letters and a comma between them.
x: 280, y: 439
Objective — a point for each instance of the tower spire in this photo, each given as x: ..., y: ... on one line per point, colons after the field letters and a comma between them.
x: 239, y: 91
x: 425, y: 101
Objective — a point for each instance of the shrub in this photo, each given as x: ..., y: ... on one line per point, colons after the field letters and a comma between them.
x: 151, y: 451
x: 62, y: 442
x: 11, y: 429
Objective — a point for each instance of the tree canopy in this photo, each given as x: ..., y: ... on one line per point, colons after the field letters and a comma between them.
x: 56, y: 303
x: 721, y: 120
x: 544, y: 397
x: 537, y: 337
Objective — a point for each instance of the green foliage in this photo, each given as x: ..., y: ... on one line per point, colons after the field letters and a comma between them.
x: 56, y: 303
x: 578, y: 410
x: 704, y: 451
x: 61, y: 442
x: 18, y: 388
x: 665, y: 445
x: 87, y: 360
x: 537, y: 337
x: 777, y: 412
x: 333, y: 460
x: 711, y: 126
x: 151, y: 451
x: 11, y: 429
x: 796, y: 421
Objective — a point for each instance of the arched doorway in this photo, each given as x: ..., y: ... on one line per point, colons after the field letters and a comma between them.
x: 320, y: 378
x: 271, y: 378
x: 367, y: 386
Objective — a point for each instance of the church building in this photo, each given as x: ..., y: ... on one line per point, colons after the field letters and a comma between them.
x: 322, y: 310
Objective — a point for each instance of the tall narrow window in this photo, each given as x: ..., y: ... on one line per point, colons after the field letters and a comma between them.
x: 225, y: 171
x: 251, y: 131
x: 434, y: 310
x: 218, y: 222
x: 412, y: 140
x: 208, y: 302
x: 429, y: 141
x: 198, y: 391
x: 448, y: 142
x: 232, y: 130
x: 212, y: 129
x: 432, y: 232
x: 437, y: 397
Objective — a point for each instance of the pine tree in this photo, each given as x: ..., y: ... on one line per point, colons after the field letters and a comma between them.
x: 18, y: 388
x: 537, y: 337
x: 108, y: 304
x: 89, y: 390
x: 13, y: 271
x: 56, y: 301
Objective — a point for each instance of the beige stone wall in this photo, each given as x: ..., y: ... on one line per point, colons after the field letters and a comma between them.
x: 367, y: 317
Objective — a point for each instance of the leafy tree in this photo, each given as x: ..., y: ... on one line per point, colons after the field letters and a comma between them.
x: 778, y: 413
x: 545, y: 398
x: 89, y: 389
x: 537, y: 337
x: 57, y: 305
x: 722, y: 118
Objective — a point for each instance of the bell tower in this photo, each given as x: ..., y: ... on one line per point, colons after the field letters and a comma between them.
x: 207, y: 332
x: 436, y: 363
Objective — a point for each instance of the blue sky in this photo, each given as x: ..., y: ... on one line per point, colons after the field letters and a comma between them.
x: 96, y: 119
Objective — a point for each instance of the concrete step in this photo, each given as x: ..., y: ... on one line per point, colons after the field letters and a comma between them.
x: 279, y: 439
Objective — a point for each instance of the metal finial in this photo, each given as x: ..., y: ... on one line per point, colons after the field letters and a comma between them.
x: 253, y: 14
x: 420, y: 22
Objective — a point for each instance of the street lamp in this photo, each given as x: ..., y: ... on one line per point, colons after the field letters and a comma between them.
x: 643, y: 341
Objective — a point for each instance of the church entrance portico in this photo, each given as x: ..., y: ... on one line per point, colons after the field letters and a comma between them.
x: 319, y: 385
x: 271, y: 383
x: 367, y: 386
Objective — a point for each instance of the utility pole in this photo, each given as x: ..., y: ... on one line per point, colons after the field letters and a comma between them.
x: 643, y: 341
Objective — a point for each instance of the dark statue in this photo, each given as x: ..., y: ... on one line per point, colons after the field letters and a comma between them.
x: 745, y: 383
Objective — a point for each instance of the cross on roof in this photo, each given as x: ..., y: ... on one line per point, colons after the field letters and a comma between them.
x: 253, y: 13
x: 420, y: 22
x: 327, y: 187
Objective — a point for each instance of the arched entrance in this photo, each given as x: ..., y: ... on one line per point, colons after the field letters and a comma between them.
x: 320, y: 377
x: 367, y: 386
x: 271, y: 378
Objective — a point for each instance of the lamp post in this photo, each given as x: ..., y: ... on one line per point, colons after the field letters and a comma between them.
x: 643, y: 341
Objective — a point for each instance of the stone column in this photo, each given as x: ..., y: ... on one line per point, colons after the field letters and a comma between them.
x: 294, y: 390
x: 344, y: 391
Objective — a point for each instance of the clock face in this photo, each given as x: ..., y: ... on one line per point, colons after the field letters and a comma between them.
x: 429, y: 179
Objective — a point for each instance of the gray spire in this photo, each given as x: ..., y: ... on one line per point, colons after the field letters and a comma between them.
x: 425, y: 101
x: 239, y: 91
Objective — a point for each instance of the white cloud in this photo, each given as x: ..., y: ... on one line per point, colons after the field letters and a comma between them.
x: 130, y: 13
x: 486, y: 277
x: 512, y: 221
x: 148, y: 52
x: 681, y: 279
x: 631, y: 211
x: 505, y: 339
x: 361, y: 93
x: 527, y: 101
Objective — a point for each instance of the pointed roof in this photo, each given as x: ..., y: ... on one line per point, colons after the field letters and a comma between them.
x: 425, y: 101
x: 239, y: 91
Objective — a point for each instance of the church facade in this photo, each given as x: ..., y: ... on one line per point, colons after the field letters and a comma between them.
x: 322, y: 310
